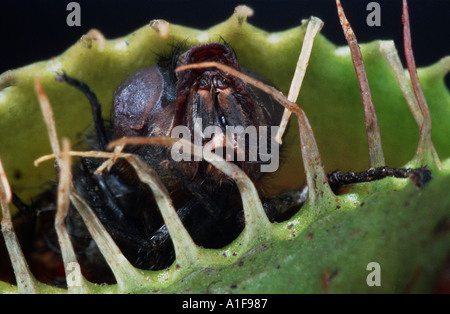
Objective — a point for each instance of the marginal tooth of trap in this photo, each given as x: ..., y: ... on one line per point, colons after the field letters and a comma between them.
x: 92, y: 35
x: 376, y: 155
x: 316, y: 179
x: 125, y: 274
x: 242, y: 12
x: 256, y: 219
x: 425, y: 144
x: 76, y: 283
x: 314, y: 26
x: 315, y: 175
x: 110, y: 161
x: 161, y: 27
x: 441, y: 68
x: 185, y: 249
x: 123, y: 271
x: 24, y: 278
x: 390, y: 54
x: 48, y: 116
x: 7, y: 79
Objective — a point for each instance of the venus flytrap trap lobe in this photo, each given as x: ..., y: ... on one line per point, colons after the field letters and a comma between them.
x: 312, y: 166
x: 148, y: 35
x: 257, y: 224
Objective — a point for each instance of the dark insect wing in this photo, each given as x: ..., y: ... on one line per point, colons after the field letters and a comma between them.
x: 144, y: 104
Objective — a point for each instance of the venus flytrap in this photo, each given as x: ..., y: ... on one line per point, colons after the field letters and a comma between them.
x: 323, y: 211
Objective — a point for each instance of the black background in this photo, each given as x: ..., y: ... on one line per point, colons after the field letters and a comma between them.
x: 36, y: 30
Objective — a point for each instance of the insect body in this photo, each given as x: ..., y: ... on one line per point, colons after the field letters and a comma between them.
x: 150, y: 103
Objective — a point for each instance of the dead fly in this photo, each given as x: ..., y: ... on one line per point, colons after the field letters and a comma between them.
x: 151, y: 103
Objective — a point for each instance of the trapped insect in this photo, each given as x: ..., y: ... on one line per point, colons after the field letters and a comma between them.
x: 152, y: 102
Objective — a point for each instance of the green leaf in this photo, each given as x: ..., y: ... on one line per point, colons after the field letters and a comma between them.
x: 405, y: 231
